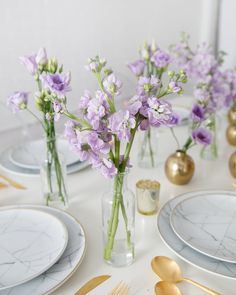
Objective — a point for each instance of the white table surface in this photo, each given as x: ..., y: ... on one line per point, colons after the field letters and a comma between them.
x: 86, y: 188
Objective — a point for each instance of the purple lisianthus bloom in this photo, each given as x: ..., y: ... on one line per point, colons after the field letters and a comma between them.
x: 30, y: 63
x: 160, y: 58
x: 134, y: 105
x: 121, y: 124
x: 174, y: 87
x: 112, y: 85
x: 97, y: 109
x: 97, y: 144
x: 137, y: 67
x: 158, y: 111
x: 148, y: 85
x: 57, y: 83
x: 18, y: 101
x: 202, y: 136
x: 198, y: 113
x: 41, y: 56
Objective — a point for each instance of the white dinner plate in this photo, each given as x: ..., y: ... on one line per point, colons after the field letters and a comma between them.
x: 183, y: 113
x: 8, y: 166
x: 207, y: 223
x: 31, y: 241
x: 65, y: 267
x: 218, y: 267
x: 30, y: 154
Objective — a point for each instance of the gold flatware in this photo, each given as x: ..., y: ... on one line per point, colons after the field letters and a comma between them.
x: 3, y: 185
x: 12, y: 182
x: 168, y: 270
x: 166, y: 288
x: 121, y: 289
x: 91, y: 284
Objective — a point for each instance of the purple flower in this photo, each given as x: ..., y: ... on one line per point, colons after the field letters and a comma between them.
x: 97, y: 109
x: 57, y: 107
x: 96, y: 64
x: 174, y: 87
x: 174, y: 120
x: 121, y: 124
x: 137, y: 67
x: 148, y: 85
x: 41, y: 57
x: 202, y: 136
x: 144, y: 125
x: 134, y: 105
x: 160, y: 58
x: 18, y: 101
x: 58, y: 84
x: 158, y: 111
x: 105, y: 166
x: 97, y: 144
x: 112, y: 85
x: 84, y: 101
x: 198, y: 113
x: 30, y: 63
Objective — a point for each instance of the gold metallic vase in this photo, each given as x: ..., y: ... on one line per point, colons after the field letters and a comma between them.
x: 232, y: 164
x: 231, y: 134
x: 232, y: 116
x: 179, y: 168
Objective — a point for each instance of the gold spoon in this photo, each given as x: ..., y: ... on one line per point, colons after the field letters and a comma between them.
x: 12, y: 182
x: 168, y: 270
x: 166, y: 288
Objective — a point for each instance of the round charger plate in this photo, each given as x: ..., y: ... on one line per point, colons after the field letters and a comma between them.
x: 28, y: 155
x: 218, y: 267
x: 65, y: 267
x: 207, y: 222
x: 9, y: 167
x: 31, y: 241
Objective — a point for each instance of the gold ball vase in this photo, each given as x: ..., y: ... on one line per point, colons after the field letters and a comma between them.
x: 179, y: 168
x: 231, y: 134
x: 232, y: 115
x: 232, y: 164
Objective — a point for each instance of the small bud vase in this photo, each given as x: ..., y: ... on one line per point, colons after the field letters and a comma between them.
x: 118, y: 216
x: 53, y: 176
x: 148, y: 147
x: 210, y: 152
x: 179, y: 168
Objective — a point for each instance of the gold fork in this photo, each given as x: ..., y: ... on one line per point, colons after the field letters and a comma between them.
x: 12, y: 182
x: 121, y: 289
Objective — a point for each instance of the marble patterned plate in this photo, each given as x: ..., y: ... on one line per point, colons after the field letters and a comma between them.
x: 207, y: 223
x: 65, y: 267
x: 31, y: 241
x: 218, y: 267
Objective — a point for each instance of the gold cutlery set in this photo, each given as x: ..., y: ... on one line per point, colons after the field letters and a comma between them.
x: 166, y: 269
x: 9, y: 182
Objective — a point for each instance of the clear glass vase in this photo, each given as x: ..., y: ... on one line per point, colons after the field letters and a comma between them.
x: 53, y: 176
x: 148, y: 146
x: 210, y: 152
x: 118, y: 216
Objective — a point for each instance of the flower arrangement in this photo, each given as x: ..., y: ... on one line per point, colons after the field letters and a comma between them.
x: 53, y: 86
x: 150, y: 69
x: 214, y: 88
x: 104, y: 136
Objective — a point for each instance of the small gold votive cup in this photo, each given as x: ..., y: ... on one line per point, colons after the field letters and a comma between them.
x: 147, y: 194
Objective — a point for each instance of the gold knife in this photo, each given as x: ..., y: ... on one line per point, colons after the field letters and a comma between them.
x: 92, y: 284
x: 12, y: 182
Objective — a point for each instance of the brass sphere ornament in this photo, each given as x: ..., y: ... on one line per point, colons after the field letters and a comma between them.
x: 179, y: 168
x: 232, y: 164
x: 231, y: 134
x: 232, y: 115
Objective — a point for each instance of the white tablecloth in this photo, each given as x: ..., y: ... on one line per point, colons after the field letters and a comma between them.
x: 86, y: 188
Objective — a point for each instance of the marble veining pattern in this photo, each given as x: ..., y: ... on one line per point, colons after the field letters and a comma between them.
x: 64, y: 267
x: 30, y: 242
x: 208, y: 224
x: 202, y: 261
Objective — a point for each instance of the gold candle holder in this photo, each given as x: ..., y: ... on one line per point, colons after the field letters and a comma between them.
x: 147, y: 193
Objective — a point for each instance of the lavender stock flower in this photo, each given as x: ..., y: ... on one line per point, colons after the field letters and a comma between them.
x: 174, y: 87
x: 58, y: 84
x: 160, y: 58
x: 112, y: 85
x: 202, y: 136
x: 198, y: 113
x: 137, y: 67
x: 148, y: 85
x: 18, y: 101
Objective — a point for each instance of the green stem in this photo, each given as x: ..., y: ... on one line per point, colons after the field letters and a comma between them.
x: 150, y: 147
